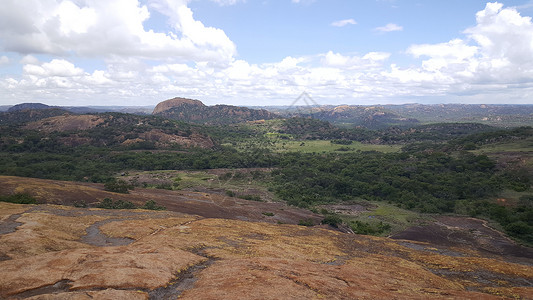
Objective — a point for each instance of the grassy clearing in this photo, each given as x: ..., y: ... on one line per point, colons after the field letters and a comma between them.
x: 525, y: 145
x: 277, y: 144
x: 377, y: 212
x: 319, y: 146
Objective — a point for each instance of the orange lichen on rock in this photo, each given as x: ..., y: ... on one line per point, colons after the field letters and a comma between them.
x: 232, y: 259
x: 105, y: 267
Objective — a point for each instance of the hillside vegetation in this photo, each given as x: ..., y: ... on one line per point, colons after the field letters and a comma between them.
x: 437, y: 168
x: 204, y: 202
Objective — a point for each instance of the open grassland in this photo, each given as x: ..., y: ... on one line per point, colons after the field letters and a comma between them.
x: 523, y: 145
x: 277, y: 144
x: 319, y: 146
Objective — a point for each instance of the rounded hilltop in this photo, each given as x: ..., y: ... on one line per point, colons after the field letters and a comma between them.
x: 194, y: 111
x: 175, y: 102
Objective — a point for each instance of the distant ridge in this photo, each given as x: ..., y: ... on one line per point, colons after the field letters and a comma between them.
x: 25, y: 106
x: 189, y: 110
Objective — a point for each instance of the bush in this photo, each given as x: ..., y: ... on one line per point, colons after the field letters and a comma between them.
x: 251, y: 197
x: 19, y: 199
x: 108, y: 203
x: 366, y: 228
x: 166, y: 186
x: 152, y: 205
x: 306, y: 222
x: 118, y: 186
x: 519, y: 228
x: 230, y: 193
x: 332, y: 221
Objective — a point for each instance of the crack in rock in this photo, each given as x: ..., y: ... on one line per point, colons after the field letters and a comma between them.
x: 95, y: 237
x: 60, y: 286
x: 10, y: 224
x: 185, y: 280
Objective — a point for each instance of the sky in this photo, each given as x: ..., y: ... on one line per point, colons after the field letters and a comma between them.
x: 265, y: 52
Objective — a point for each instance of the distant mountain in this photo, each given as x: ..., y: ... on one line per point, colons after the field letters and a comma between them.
x: 25, y: 106
x: 407, y: 115
x: 502, y: 115
x: 371, y: 117
x: 195, y: 111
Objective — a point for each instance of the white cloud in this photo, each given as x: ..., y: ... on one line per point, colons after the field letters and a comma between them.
x: 496, y: 56
x: 4, y: 60
x: 505, y: 40
x: 342, y: 23
x: 111, y: 27
x: 389, y: 28
x: 55, y: 68
x: 490, y: 62
x: 368, y: 61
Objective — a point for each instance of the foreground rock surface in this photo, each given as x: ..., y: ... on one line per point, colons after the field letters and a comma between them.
x: 173, y: 255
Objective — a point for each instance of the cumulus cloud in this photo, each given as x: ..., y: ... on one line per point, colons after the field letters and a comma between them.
x: 498, y: 49
x: 389, y: 28
x: 112, y: 27
x: 342, y: 23
x: 55, y: 68
x: 369, y: 60
x: 490, y: 61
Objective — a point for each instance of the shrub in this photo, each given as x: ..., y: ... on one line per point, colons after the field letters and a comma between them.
x: 118, y: 186
x: 152, y: 205
x: 332, y: 220
x: 18, y: 198
x: 519, y: 228
x: 268, y: 214
x: 108, y: 203
x: 251, y: 197
x: 366, y: 228
x: 306, y: 222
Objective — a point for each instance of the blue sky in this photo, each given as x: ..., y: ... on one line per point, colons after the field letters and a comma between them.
x: 265, y: 52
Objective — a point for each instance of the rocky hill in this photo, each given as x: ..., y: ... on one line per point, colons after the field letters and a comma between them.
x: 195, y: 111
x: 60, y: 252
x: 115, y: 129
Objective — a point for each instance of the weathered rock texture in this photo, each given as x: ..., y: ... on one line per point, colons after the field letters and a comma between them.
x: 173, y: 255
